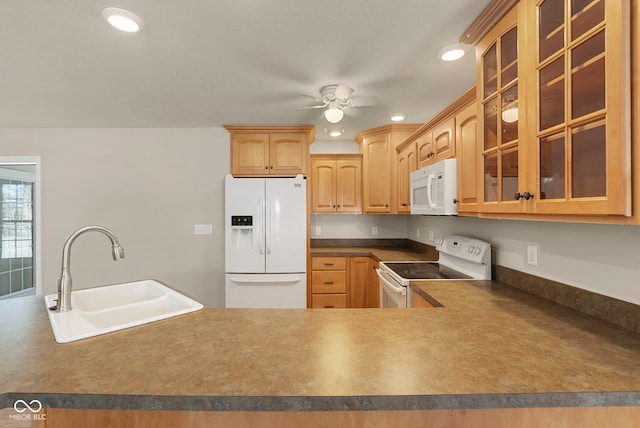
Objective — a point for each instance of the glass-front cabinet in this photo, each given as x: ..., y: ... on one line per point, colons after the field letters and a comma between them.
x: 500, y: 113
x: 554, y: 98
x: 581, y: 139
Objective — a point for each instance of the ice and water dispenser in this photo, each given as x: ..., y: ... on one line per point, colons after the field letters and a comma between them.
x: 241, y: 231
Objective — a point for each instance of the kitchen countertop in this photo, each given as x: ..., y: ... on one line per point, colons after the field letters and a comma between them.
x: 490, y: 346
x: 379, y: 253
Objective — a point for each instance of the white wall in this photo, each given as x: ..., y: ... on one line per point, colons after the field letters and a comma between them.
x: 150, y: 186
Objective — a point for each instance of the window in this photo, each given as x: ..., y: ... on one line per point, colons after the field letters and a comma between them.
x: 16, y: 235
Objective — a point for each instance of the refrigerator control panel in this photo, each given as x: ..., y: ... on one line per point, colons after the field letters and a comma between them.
x: 241, y: 220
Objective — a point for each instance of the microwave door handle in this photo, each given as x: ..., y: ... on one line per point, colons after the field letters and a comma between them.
x: 430, y: 191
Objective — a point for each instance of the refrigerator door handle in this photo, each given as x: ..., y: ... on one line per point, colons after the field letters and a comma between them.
x: 268, y: 225
x: 265, y: 281
x: 259, y: 225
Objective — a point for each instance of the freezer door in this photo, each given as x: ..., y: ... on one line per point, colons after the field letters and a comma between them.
x: 285, y: 291
x: 286, y: 225
x: 244, y: 225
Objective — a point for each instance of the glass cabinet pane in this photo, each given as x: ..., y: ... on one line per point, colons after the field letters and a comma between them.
x: 588, y: 76
x: 509, y: 174
x: 490, y: 71
x: 585, y: 15
x: 552, y: 94
x: 491, y: 178
x: 509, y: 115
x: 509, y: 57
x: 589, y: 160
x: 552, y: 167
x: 491, y: 123
x: 551, y: 28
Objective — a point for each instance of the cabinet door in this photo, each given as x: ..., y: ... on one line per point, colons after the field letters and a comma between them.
x: 467, y: 155
x: 407, y: 163
x: 249, y: 154
x: 376, y: 151
x: 348, y: 186
x: 498, y: 74
x: 362, y: 292
x: 443, y: 144
x: 323, y: 186
x: 424, y: 149
x: 373, y: 286
x: 288, y: 154
x: 582, y: 140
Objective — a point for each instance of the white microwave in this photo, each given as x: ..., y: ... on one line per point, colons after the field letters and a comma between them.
x: 433, y: 189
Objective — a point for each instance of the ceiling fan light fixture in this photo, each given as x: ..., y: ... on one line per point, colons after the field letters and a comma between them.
x: 398, y: 117
x: 451, y: 53
x: 122, y: 19
x: 333, y: 114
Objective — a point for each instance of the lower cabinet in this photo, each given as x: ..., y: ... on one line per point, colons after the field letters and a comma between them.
x: 344, y: 282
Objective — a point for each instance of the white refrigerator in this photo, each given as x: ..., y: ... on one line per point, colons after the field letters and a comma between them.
x: 265, y: 242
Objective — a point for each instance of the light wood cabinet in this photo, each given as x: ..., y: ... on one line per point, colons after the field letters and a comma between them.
x: 466, y: 135
x: 452, y: 133
x: 407, y: 163
x: 328, y: 282
x: 363, y: 292
x: 344, y: 282
x: 554, y: 91
x: 336, y: 183
x: 279, y: 151
x: 379, y: 164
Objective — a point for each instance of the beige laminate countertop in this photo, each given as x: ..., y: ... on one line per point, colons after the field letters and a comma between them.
x: 490, y: 346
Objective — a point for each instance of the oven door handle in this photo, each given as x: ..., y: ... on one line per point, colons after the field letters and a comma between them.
x: 389, y: 284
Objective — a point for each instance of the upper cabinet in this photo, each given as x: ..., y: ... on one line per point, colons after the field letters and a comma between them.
x: 379, y: 165
x: 273, y: 151
x: 336, y: 183
x: 554, y: 101
x: 452, y: 133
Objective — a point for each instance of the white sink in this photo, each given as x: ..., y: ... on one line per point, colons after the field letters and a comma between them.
x: 110, y: 308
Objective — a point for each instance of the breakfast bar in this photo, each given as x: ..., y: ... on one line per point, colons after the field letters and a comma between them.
x: 490, y: 346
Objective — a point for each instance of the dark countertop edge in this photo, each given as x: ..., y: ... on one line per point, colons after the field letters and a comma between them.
x: 327, y: 403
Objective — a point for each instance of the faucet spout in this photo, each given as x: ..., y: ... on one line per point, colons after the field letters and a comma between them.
x: 64, y: 281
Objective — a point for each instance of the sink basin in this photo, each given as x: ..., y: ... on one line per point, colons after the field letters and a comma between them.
x: 110, y: 308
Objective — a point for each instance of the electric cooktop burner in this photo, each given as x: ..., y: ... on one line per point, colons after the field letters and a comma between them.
x: 425, y: 270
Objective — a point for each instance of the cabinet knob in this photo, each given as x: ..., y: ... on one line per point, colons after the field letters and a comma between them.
x: 455, y: 201
x: 525, y: 196
x: 328, y: 283
x: 328, y: 306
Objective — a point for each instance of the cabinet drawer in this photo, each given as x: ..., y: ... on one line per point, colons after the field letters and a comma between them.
x: 328, y: 263
x: 329, y: 281
x: 329, y: 301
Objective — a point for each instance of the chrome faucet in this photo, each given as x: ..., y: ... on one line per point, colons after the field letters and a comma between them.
x: 64, y: 281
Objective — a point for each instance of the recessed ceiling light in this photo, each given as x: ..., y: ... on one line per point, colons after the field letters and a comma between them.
x: 122, y: 19
x: 451, y: 53
x: 398, y: 117
x: 335, y: 132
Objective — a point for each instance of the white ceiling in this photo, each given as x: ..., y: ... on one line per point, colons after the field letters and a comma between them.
x: 204, y: 63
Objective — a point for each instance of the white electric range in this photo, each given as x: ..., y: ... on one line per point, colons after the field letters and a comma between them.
x: 459, y: 257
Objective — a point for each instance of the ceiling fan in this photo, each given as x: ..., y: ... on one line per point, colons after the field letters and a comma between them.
x: 336, y: 98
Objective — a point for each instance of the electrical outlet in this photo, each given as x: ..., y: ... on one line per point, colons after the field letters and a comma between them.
x: 532, y: 255
x: 374, y: 230
x: 432, y: 235
x: 417, y: 232
x: 202, y: 229
x: 318, y: 230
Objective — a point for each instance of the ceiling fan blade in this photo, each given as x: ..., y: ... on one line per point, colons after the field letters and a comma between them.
x: 310, y: 107
x: 363, y: 101
x: 353, y: 111
x: 343, y: 92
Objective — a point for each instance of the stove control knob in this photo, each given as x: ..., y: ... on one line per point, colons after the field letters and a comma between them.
x: 471, y: 248
x: 477, y: 251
